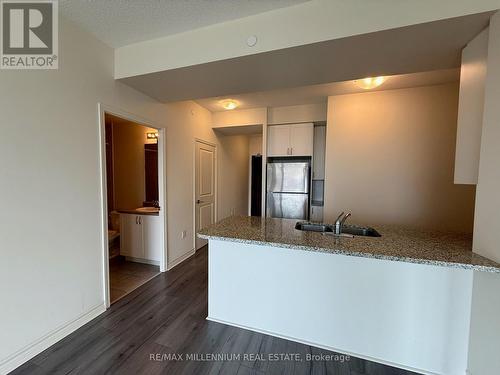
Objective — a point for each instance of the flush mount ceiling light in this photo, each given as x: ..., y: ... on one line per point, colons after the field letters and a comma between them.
x: 369, y: 82
x: 229, y: 104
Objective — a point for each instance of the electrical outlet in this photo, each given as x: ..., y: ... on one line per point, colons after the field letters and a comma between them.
x: 183, y: 234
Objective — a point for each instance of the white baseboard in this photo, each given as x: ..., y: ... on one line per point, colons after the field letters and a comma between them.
x: 357, y: 355
x: 142, y: 260
x: 25, y: 354
x: 180, y: 259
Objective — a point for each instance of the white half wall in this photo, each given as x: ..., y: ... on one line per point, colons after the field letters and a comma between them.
x: 485, y: 325
x: 409, y: 315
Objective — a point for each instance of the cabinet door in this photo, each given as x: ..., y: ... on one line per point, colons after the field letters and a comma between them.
x: 302, y: 139
x: 151, y: 226
x: 319, y: 153
x: 278, y: 140
x: 131, y: 242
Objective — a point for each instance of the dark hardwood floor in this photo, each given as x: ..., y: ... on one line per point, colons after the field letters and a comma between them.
x: 166, y: 316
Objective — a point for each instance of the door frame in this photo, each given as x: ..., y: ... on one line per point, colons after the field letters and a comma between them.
x: 216, y: 173
x: 102, y: 109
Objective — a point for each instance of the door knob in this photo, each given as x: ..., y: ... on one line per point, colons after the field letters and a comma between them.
x: 198, y: 201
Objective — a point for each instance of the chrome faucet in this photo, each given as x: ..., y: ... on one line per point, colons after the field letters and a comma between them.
x: 339, y: 223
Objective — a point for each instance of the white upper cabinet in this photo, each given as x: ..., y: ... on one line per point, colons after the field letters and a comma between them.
x: 302, y: 139
x: 470, y: 109
x: 290, y: 140
x: 278, y: 140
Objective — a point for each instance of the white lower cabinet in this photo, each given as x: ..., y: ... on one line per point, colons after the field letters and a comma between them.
x: 131, y: 236
x: 151, y: 231
x: 140, y: 237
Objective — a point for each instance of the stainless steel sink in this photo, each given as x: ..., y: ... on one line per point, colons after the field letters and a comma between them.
x: 353, y: 230
x: 360, y: 231
x: 313, y: 227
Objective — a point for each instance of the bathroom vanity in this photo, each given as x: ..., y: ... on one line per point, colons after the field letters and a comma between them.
x: 140, y: 235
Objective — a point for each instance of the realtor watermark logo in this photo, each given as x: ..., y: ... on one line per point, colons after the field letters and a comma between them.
x: 29, y: 34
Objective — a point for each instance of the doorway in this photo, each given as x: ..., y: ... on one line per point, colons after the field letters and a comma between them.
x: 133, y: 202
x: 205, y: 187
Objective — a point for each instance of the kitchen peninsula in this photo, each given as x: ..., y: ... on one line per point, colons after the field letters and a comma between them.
x: 408, y: 298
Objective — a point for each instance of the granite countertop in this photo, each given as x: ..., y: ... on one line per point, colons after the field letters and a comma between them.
x: 397, y: 243
x: 138, y: 211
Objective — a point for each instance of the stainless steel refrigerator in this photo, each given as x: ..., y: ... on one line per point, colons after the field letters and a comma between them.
x: 288, y: 189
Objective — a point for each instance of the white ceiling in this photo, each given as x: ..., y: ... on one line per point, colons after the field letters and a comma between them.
x: 319, y: 93
x: 122, y: 22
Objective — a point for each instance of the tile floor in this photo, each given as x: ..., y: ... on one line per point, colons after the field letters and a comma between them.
x: 126, y: 276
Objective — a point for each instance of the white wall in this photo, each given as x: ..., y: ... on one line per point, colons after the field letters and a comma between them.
x: 255, y: 144
x: 129, y: 164
x: 310, y: 22
x: 233, y: 176
x: 186, y: 121
x: 239, y: 117
x: 487, y: 216
x: 471, y: 108
x: 297, y: 113
x: 50, y: 236
x: 237, y: 120
x: 390, y: 158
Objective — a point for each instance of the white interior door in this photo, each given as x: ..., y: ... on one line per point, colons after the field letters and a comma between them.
x: 204, y: 188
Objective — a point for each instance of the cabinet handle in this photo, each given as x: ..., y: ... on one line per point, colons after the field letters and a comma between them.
x: 140, y: 219
x: 291, y: 150
x: 136, y: 220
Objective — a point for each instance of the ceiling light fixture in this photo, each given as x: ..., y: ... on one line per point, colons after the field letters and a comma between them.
x: 369, y: 82
x: 152, y: 135
x: 229, y: 104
